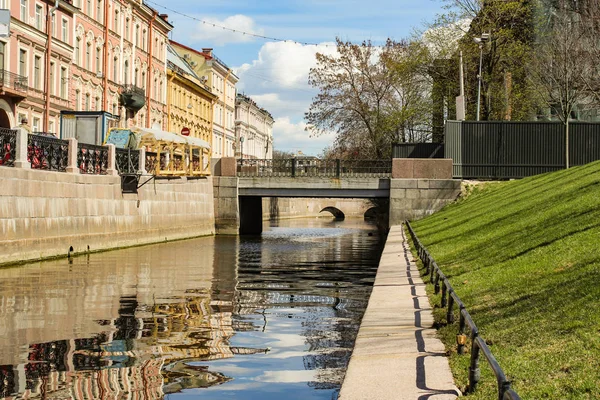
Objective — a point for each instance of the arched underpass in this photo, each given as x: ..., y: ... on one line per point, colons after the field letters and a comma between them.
x: 336, y: 212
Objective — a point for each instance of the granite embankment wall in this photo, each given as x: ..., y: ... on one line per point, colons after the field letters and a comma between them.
x: 43, y: 214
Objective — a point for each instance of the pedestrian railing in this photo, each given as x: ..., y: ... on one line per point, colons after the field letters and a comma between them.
x: 47, y: 153
x: 478, y: 346
x: 92, y: 159
x: 313, y: 167
x: 127, y: 161
x: 8, y: 145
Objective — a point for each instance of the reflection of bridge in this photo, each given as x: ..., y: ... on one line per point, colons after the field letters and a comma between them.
x: 413, y: 187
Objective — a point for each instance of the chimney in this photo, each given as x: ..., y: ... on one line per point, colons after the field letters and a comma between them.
x: 207, y: 50
x: 165, y: 17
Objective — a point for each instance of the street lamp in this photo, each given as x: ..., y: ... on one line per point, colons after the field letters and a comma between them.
x: 480, y: 40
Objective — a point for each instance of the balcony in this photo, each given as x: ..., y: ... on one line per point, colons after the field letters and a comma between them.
x: 13, y: 85
x: 132, y: 97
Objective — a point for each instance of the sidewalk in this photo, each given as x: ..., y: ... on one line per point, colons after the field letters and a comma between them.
x: 397, y: 355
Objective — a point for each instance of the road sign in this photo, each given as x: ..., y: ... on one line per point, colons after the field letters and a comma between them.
x: 185, y: 131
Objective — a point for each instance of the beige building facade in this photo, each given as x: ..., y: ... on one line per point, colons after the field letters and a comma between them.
x: 253, y: 128
x: 221, y: 81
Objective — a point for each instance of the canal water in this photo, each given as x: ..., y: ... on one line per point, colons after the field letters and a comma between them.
x: 267, y: 317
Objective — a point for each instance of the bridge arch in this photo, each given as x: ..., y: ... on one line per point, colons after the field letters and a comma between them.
x: 336, y: 212
x: 372, y: 213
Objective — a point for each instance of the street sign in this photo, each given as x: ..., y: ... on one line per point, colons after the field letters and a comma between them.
x: 185, y: 131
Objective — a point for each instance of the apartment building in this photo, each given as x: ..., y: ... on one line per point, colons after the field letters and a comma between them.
x: 221, y: 81
x: 253, y: 128
x: 107, y: 55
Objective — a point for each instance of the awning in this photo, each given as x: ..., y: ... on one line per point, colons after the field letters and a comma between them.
x: 158, y: 134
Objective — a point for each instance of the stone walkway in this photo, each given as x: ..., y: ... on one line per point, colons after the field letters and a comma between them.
x: 397, y: 354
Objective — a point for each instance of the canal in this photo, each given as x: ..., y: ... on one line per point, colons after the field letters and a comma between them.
x: 266, y: 317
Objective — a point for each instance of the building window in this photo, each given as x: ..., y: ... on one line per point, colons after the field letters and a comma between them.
x: 65, y: 30
x: 38, y: 17
x: 114, y: 110
x: 144, y: 80
x: 126, y: 33
x: 88, y: 56
x: 24, y: 12
x: 77, y: 100
x: 51, y: 127
x: 63, y: 82
x: 36, y: 124
x: 115, y: 69
x: 100, y: 12
x: 144, y: 40
x: 51, y: 82
x: 116, y: 22
x: 137, y: 35
x: 37, y: 72
x: 155, y: 92
x: 2, y: 50
x: 98, y: 54
x: 89, y: 8
x: 126, y: 73
x: 3, y: 4
x: 135, y: 77
x: 78, y: 52
x: 53, y: 25
x: 98, y: 105
x: 87, y: 102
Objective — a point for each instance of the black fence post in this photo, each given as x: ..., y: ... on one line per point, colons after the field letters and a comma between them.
x: 450, y: 312
x: 293, y: 167
x: 444, y: 289
x: 461, y: 339
x: 474, y: 371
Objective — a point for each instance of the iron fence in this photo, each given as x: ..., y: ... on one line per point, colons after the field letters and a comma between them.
x: 92, y: 159
x: 8, y: 146
x: 503, y: 149
x: 127, y: 161
x: 313, y: 167
x: 47, y: 153
x: 418, y: 150
x: 450, y: 299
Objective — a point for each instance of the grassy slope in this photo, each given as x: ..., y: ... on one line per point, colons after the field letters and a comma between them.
x: 524, y: 256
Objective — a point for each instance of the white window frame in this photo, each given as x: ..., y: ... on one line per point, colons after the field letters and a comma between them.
x: 39, y: 16
x: 24, y: 11
x: 65, y: 30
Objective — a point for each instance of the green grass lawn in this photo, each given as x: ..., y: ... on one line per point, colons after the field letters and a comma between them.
x: 524, y: 257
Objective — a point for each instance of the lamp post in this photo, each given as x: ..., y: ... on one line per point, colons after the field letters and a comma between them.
x: 480, y: 40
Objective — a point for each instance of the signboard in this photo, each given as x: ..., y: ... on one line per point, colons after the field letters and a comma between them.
x: 185, y: 131
x: 119, y: 137
x: 4, y: 23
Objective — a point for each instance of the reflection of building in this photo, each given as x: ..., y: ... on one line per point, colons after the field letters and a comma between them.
x: 221, y: 80
x: 253, y: 129
x: 190, y: 101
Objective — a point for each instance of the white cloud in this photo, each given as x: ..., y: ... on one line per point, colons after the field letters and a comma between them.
x: 289, y: 136
x: 288, y: 376
x: 211, y: 30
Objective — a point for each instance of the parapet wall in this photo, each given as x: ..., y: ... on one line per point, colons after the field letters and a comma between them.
x: 283, y: 207
x: 43, y: 214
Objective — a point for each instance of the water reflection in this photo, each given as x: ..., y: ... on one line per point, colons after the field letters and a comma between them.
x: 224, y: 317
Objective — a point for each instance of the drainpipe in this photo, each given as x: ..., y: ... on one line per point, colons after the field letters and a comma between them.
x: 105, y: 61
x: 48, y: 56
x: 149, y: 79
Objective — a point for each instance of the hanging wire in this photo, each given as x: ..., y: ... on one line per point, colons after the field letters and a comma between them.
x: 237, y: 30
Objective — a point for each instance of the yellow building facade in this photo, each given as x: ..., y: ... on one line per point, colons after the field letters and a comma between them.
x: 190, y: 102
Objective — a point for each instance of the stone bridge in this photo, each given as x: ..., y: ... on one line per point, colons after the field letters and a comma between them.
x: 417, y: 187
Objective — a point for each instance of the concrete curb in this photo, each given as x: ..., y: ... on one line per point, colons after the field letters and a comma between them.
x: 397, y: 354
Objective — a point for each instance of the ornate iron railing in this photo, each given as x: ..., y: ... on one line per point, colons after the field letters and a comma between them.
x: 133, y: 89
x: 47, y: 152
x: 92, y: 159
x: 314, y: 168
x: 14, y: 81
x: 8, y: 146
x: 478, y: 345
x: 151, y: 161
x: 127, y: 161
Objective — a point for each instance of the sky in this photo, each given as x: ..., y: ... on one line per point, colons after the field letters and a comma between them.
x: 275, y: 73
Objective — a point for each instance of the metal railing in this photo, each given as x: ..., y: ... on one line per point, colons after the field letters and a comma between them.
x: 8, y: 146
x: 92, y: 159
x: 127, y: 161
x: 313, y: 168
x: 14, y: 81
x: 131, y: 88
x: 47, y: 152
x: 450, y: 299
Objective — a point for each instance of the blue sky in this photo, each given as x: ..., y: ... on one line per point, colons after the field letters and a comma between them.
x: 275, y: 74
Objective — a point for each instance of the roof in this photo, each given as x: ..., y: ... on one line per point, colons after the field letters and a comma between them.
x: 171, y: 137
x: 178, y: 61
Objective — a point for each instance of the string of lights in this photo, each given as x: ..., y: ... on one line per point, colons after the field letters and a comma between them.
x: 237, y: 30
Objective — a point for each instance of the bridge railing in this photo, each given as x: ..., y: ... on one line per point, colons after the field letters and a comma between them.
x: 298, y: 167
x: 478, y: 345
